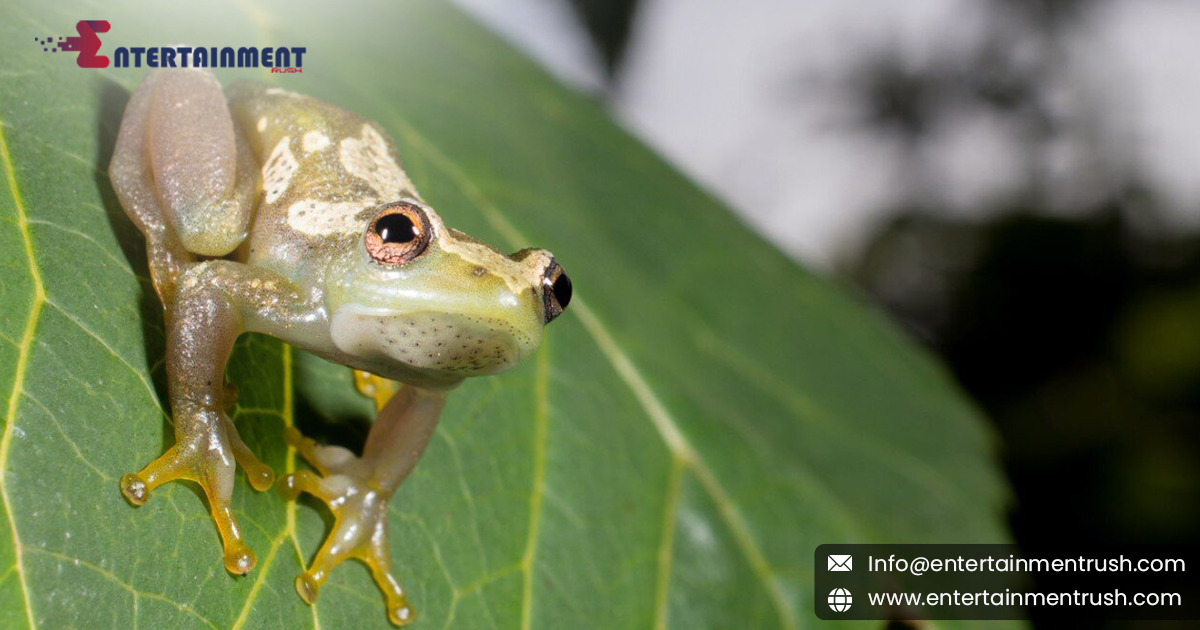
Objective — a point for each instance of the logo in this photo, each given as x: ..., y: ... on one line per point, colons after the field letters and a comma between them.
x: 86, y: 44
x: 840, y: 563
x: 839, y: 600
x: 280, y: 59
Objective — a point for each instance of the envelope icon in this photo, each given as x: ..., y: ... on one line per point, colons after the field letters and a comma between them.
x: 840, y: 563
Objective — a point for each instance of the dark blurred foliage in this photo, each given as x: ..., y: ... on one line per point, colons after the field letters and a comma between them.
x: 1080, y: 336
x: 608, y: 23
x: 1081, y: 339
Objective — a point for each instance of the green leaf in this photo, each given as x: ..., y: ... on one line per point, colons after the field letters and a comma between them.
x: 703, y: 416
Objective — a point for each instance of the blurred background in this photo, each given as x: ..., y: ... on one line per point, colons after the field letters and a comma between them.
x: 1015, y: 181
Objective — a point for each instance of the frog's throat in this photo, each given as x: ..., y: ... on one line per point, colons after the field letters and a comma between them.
x: 453, y: 345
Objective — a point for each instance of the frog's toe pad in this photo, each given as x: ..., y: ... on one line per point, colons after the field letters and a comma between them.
x: 239, y: 559
x: 134, y: 489
x: 307, y: 587
x: 260, y: 477
x: 401, y: 615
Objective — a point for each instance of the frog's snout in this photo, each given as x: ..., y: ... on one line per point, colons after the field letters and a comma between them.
x: 553, y: 284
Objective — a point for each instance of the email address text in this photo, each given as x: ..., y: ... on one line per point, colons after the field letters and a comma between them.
x: 922, y: 565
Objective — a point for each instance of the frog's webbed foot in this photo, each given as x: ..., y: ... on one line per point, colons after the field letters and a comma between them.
x: 207, y: 458
x: 260, y: 476
x: 359, y: 509
x: 357, y: 489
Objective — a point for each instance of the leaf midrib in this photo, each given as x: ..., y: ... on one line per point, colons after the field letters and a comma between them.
x: 35, y: 310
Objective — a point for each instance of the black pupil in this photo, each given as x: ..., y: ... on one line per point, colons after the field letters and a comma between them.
x: 396, y: 228
x: 562, y: 290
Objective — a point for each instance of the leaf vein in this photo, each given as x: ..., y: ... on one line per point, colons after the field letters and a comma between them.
x: 74, y: 447
x: 541, y: 414
x: 666, y: 547
x: 139, y: 374
x: 468, y: 498
x: 806, y: 409
x: 419, y: 522
x: 289, y: 466
x: 121, y: 264
x: 90, y: 164
x: 112, y: 577
x: 258, y: 581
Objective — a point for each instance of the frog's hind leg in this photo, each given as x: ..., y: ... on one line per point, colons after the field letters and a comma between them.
x: 184, y: 174
x: 133, y: 180
x: 357, y: 490
x: 202, y: 163
x: 183, y: 171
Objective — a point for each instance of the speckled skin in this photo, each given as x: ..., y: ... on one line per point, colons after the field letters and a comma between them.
x: 258, y: 206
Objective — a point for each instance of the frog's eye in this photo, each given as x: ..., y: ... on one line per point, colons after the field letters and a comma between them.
x: 398, y: 233
x: 556, y: 291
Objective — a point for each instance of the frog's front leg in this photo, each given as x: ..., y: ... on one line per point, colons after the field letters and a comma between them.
x: 357, y: 490
x: 214, y: 303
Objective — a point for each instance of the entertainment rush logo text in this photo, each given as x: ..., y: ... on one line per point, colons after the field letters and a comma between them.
x: 280, y: 59
x: 277, y: 58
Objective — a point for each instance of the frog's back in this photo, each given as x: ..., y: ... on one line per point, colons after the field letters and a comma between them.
x: 323, y: 171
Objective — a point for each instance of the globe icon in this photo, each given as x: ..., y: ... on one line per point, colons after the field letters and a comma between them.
x: 839, y: 600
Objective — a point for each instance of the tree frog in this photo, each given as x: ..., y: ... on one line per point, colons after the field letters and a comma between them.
x: 268, y: 211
